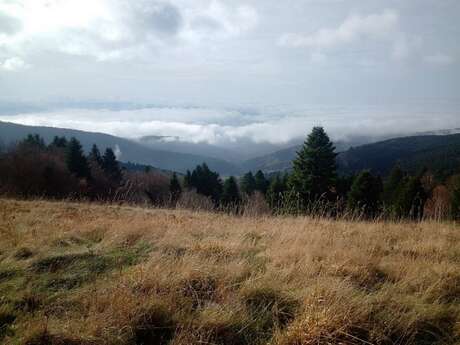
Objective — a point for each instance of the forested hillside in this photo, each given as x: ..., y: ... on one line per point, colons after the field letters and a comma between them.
x: 439, y: 154
x: 127, y: 150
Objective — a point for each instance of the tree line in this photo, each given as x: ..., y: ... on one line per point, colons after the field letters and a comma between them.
x: 61, y: 169
x: 314, y: 187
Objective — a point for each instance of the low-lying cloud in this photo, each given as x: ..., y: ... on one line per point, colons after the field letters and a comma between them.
x: 276, y: 126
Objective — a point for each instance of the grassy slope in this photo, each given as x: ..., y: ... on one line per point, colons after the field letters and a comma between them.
x: 84, y: 274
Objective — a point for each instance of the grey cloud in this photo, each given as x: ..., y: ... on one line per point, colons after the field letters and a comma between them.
x: 164, y: 18
x: 9, y: 25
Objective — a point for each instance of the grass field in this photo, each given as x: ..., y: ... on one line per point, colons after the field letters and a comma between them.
x: 86, y: 274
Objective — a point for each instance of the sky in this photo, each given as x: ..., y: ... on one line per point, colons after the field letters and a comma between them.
x: 223, y: 71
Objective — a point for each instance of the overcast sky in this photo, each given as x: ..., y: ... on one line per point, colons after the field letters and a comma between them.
x: 222, y: 70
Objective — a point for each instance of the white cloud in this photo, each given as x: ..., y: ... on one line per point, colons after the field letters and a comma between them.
x: 117, y: 152
x: 13, y: 64
x: 440, y: 59
x: 374, y: 26
x: 114, y: 29
x: 277, y: 126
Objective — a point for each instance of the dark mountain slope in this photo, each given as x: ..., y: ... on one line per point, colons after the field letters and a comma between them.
x: 438, y: 153
x: 281, y: 160
x: 129, y: 150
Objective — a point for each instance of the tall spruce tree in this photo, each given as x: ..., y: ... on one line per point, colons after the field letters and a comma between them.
x: 261, y: 182
x: 314, y: 170
x: 188, y: 180
x: 248, y: 183
x: 59, y: 142
x: 276, y: 190
x: 393, y: 185
x: 175, y: 188
x: 76, y: 160
x: 411, y: 199
x: 33, y: 141
x: 95, y: 156
x: 365, y: 194
x: 111, y: 166
x: 230, y: 193
x: 206, y: 182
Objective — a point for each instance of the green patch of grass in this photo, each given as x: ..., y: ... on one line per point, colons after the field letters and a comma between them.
x: 71, y: 262
x: 70, y: 271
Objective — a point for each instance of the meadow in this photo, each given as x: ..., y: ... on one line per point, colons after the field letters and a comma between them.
x: 84, y: 274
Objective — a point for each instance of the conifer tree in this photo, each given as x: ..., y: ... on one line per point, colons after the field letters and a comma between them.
x: 188, y: 180
x: 411, y: 199
x: 75, y: 159
x: 277, y: 188
x: 314, y: 170
x: 111, y: 166
x: 230, y: 194
x: 175, y: 188
x: 393, y: 185
x: 95, y: 155
x: 261, y: 183
x: 365, y: 194
x: 59, y: 142
x: 248, y: 183
x: 206, y: 182
x: 33, y: 141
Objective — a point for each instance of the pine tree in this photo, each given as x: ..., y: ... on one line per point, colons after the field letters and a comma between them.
x: 343, y: 185
x: 95, y: 156
x: 393, y: 185
x: 188, y: 180
x: 411, y: 200
x: 248, y: 184
x: 111, y: 166
x: 75, y: 159
x: 261, y: 182
x: 365, y: 194
x: 206, y: 182
x: 175, y: 188
x: 277, y: 188
x: 314, y: 170
x: 230, y: 194
x: 58, y: 142
x: 33, y: 141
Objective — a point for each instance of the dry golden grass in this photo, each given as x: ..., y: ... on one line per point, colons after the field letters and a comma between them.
x: 86, y: 274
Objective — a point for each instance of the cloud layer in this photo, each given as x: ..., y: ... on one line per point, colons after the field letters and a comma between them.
x: 275, y: 126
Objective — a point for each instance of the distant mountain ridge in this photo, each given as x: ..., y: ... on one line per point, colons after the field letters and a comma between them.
x: 438, y: 152
x: 130, y: 150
